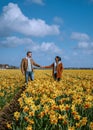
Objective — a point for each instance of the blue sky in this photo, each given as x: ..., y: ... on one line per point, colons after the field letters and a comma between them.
x: 47, y: 28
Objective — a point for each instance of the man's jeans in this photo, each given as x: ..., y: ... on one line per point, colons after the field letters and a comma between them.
x: 29, y: 74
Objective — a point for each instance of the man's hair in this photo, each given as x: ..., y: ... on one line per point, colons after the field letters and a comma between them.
x: 28, y: 52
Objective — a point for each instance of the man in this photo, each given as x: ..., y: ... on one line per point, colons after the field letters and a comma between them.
x: 27, y: 66
x: 57, y: 67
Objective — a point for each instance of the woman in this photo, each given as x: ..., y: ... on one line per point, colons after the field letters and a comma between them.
x: 57, y: 68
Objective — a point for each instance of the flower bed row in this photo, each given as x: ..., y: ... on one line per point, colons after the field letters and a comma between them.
x: 49, y: 105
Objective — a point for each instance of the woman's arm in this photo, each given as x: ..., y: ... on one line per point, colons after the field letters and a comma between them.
x: 47, y: 67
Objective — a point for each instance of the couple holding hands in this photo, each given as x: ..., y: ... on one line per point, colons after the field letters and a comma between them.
x: 28, y: 63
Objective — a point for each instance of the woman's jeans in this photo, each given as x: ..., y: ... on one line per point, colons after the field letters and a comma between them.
x: 29, y: 74
x: 55, y: 77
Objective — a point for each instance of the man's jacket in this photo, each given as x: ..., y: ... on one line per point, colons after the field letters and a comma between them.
x: 24, y: 64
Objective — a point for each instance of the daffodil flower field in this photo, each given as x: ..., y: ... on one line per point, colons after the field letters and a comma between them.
x: 46, y: 104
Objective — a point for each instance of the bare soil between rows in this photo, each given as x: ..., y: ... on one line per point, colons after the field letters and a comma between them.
x: 6, y: 114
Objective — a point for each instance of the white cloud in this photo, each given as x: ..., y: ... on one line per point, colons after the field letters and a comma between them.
x: 86, y: 47
x: 14, y: 41
x: 66, y: 57
x: 58, y: 20
x: 40, y: 2
x: 79, y: 36
x: 13, y: 20
x: 49, y: 47
x: 83, y: 45
x: 91, y: 0
x: 75, y: 53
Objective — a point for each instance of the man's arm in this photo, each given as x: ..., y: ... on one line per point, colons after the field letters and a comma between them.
x: 35, y: 64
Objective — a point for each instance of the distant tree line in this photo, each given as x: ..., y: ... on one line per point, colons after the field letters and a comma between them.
x: 7, y: 66
x: 79, y: 68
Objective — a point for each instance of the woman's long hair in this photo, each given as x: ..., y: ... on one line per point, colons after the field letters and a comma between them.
x: 59, y: 58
